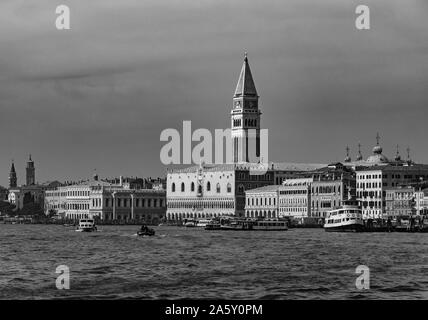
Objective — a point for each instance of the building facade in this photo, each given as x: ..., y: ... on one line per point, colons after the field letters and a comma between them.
x: 399, y: 202
x: 107, y: 201
x: 262, y: 202
x: 373, y: 182
x: 295, y: 198
x: 211, y: 191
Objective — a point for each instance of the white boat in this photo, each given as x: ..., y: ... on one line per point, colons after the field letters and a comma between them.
x: 349, y: 218
x: 202, y: 223
x: 190, y: 223
x: 86, y: 225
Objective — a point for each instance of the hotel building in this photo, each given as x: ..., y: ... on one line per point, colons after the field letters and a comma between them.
x: 107, y: 201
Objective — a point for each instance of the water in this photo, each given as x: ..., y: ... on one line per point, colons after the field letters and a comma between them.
x: 190, y: 263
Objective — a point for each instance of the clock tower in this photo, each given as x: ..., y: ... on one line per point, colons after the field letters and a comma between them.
x: 245, y: 118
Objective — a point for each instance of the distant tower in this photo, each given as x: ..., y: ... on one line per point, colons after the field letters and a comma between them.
x: 360, y: 156
x: 409, y: 159
x: 13, y: 181
x: 245, y: 115
x: 31, y: 172
x: 397, y: 155
x: 348, y: 158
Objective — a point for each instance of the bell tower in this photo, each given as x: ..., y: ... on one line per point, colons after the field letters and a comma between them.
x: 31, y: 172
x: 245, y: 118
x: 13, y: 181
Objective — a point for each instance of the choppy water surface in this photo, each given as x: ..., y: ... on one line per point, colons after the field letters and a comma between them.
x: 190, y: 263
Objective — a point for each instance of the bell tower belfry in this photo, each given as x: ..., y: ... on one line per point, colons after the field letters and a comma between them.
x: 245, y: 118
x: 30, y: 172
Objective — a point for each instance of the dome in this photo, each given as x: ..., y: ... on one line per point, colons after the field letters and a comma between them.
x: 377, y: 158
x: 377, y: 149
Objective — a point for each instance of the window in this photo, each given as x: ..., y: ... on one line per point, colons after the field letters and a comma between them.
x: 192, y: 187
x: 182, y: 187
x: 208, y: 186
x: 229, y: 188
x: 173, y: 187
x: 218, y: 188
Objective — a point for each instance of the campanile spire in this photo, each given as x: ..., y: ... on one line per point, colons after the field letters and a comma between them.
x: 245, y: 118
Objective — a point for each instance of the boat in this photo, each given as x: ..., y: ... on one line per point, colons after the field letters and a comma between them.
x: 146, y: 233
x: 235, y: 224
x: 270, y: 225
x: 190, y: 223
x: 202, y: 223
x: 86, y: 225
x: 348, y: 218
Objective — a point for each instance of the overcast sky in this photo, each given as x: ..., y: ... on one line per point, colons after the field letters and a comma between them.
x: 99, y: 95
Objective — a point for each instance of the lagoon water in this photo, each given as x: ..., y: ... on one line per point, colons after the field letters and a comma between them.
x: 193, y: 263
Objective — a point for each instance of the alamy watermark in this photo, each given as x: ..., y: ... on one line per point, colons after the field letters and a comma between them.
x: 63, y: 280
x: 363, y: 281
x: 228, y: 147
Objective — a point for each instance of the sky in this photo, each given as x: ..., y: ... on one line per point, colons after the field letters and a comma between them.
x: 99, y: 95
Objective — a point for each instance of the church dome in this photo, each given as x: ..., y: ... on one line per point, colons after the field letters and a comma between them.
x: 377, y: 150
x: 377, y: 158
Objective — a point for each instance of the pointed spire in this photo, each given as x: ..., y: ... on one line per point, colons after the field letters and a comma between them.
x: 360, y: 156
x: 409, y: 160
x: 12, y: 169
x: 348, y: 158
x: 377, y: 149
x: 245, y: 86
x: 397, y: 155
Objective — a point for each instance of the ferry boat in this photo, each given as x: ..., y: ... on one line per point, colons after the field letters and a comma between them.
x: 349, y: 217
x: 270, y: 225
x: 214, y: 224
x: 86, y: 225
x: 235, y: 224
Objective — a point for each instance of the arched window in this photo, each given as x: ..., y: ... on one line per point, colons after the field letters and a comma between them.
x: 173, y: 187
x: 192, y: 187
x: 229, y: 188
x: 208, y: 186
x: 241, y: 188
x: 218, y: 187
x: 182, y: 187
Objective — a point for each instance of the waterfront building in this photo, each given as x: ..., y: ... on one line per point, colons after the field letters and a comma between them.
x: 421, y: 201
x: 206, y: 191
x: 262, y: 202
x: 211, y: 190
x: 399, y: 201
x: 107, y: 201
x: 295, y: 198
x: 331, y: 186
x: 372, y: 183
